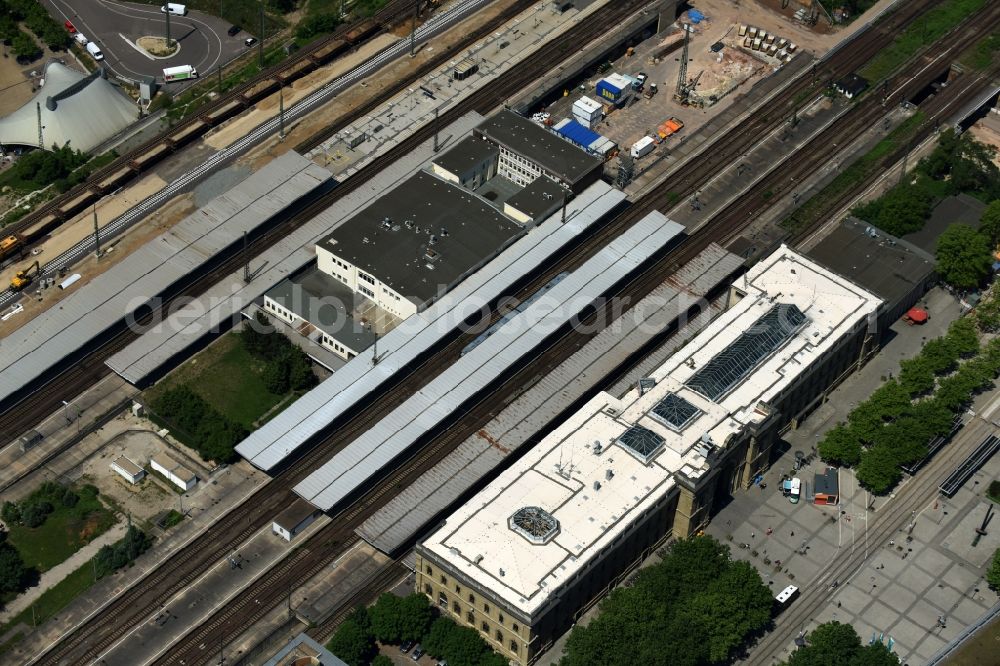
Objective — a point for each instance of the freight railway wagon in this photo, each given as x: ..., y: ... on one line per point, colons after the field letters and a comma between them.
x: 32, y: 228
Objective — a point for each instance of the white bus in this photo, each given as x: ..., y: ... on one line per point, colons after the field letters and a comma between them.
x: 179, y: 73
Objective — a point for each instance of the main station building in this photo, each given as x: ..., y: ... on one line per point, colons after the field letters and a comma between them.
x: 527, y: 554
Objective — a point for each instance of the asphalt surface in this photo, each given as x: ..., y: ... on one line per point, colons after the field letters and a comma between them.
x: 115, y: 26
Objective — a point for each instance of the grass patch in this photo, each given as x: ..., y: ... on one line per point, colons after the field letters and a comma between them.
x: 983, y: 53
x: 228, y: 378
x: 50, y: 602
x: 65, y: 531
x: 859, y: 172
x: 173, y: 517
x: 922, y: 32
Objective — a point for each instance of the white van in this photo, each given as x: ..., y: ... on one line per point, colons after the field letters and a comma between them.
x: 81, y: 39
x: 94, y: 51
x: 174, y: 8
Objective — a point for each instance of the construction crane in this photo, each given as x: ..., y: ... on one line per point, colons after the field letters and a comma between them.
x: 680, y: 94
x: 23, y: 278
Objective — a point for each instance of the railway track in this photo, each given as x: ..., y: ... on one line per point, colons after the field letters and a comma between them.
x: 92, y: 637
x: 937, y: 110
x: 232, y: 620
x: 894, y: 515
x: 14, y: 420
x: 106, y: 179
x: 104, y: 628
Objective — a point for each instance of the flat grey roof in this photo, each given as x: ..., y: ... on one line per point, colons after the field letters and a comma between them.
x: 353, y: 465
x: 158, y: 347
x: 467, y: 153
x: 128, y: 466
x: 326, y: 303
x: 153, y: 268
x: 540, y: 145
x: 540, y: 198
x: 296, y: 512
x: 278, y: 438
x: 873, y: 259
x: 393, y: 237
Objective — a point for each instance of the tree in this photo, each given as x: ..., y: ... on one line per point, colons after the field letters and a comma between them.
x: 963, y: 256
x: 989, y: 223
x: 829, y: 644
x: 916, y: 376
x: 900, y: 211
x: 962, y: 336
x: 988, y: 315
x: 879, y: 470
x: 381, y: 660
x: 993, y: 575
x: 695, y: 607
x: 13, y: 572
x: 387, y: 619
x: 24, y: 47
x: 353, y: 642
x: 11, y: 513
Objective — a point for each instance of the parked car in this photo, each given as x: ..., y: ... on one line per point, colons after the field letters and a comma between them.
x: 249, y: 41
x: 70, y: 27
x: 405, y: 646
x: 80, y: 38
x: 418, y: 652
x: 442, y: 663
x: 234, y: 30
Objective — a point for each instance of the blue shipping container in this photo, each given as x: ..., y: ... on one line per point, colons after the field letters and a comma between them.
x: 578, y: 134
x: 608, y: 90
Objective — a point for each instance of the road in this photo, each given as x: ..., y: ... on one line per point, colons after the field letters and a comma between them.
x: 114, y: 26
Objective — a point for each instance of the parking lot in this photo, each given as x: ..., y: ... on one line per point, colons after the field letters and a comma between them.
x: 115, y: 27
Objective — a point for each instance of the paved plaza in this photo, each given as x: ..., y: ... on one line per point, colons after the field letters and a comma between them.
x: 904, y: 588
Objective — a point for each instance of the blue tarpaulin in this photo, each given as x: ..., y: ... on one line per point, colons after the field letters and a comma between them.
x: 696, y: 16
x: 578, y: 134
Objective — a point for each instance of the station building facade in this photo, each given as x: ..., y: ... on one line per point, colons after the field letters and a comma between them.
x: 539, y: 545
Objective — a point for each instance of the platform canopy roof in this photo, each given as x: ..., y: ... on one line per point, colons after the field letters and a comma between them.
x: 79, y: 109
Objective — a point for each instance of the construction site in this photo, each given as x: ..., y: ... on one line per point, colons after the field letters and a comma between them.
x: 651, y: 92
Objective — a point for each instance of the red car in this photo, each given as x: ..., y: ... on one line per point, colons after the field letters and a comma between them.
x: 70, y: 27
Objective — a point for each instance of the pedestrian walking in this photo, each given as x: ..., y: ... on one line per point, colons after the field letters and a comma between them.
x: 753, y: 535
x: 769, y: 531
x: 793, y: 533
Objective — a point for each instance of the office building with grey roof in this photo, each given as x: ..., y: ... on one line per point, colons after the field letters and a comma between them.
x: 527, y: 150
x: 415, y: 243
x: 321, y: 308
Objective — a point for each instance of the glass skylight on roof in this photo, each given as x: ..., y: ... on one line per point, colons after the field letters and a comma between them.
x: 641, y: 443
x: 735, y: 362
x: 674, y: 412
x: 534, y: 523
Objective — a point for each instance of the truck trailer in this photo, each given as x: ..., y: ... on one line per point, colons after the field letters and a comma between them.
x: 179, y: 73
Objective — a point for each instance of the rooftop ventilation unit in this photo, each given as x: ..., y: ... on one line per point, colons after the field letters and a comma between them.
x: 432, y: 255
x: 433, y: 240
x: 479, y: 558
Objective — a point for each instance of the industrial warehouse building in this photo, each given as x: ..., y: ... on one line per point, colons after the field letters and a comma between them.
x: 524, y: 556
x: 420, y: 239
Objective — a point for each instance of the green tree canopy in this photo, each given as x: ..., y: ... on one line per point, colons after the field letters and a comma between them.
x: 696, y: 606
x: 13, y: 572
x: 989, y: 223
x: 837, y: 644
x: 353, y: 641
x: 397, y: 619
x: 840, y: 446
x: 963, y: 256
